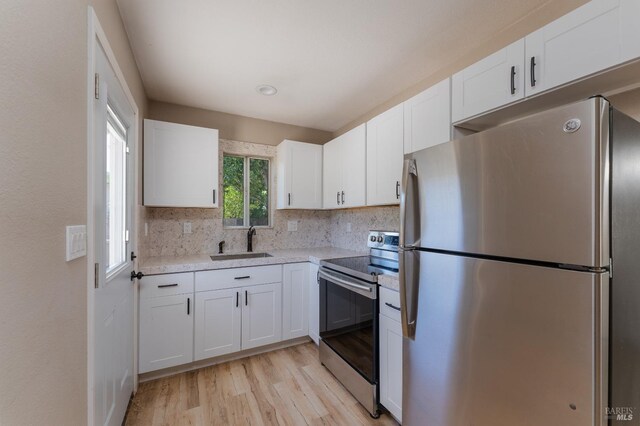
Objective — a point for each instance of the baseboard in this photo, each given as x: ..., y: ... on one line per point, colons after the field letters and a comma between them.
x: 196, y: 365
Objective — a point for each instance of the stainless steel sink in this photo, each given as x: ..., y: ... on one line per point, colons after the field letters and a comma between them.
x: 239, y: 256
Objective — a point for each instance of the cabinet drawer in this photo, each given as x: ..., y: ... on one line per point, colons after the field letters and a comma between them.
x: 387, y: 298
x: 238, y: 277
x: 166, y: 285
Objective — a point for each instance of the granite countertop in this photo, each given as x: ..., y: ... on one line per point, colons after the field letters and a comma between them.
x: 389, y: 281
x: 202, y: 262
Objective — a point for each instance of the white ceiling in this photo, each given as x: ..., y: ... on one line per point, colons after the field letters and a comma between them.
x: 331, y: 60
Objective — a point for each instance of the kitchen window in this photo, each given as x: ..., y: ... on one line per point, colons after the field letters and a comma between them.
x: 245, y: 191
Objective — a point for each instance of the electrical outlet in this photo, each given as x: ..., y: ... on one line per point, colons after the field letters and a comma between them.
x: 186, y: 228
x: 348, y: 226
x: 292, y: 225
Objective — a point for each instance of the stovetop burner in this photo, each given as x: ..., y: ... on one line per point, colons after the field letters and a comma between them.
x: 383, y: 259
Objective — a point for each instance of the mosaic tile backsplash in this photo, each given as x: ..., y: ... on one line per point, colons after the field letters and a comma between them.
x: 316, y: 228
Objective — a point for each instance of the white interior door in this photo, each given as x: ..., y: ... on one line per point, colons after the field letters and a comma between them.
x: 113, y: 190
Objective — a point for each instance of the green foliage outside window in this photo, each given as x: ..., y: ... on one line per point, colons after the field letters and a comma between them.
x: 255, y: 198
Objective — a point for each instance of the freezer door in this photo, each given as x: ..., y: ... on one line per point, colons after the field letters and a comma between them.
x: 501, y: 343
x: 537, y: 189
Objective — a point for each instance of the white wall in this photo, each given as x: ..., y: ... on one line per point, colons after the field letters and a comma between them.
x: 43, y: 171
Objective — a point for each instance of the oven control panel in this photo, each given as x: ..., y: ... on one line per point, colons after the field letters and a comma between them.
x: 385, y: 240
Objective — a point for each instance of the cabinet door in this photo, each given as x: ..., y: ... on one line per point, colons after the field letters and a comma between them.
x: 305, y: 174
x: 391, y: 366
x: 261, y: 315
x: 490, y: 83
x: 166, y: 332
x: 180, y: 165
x: 427, y: 118
x: 592, y: 38
x: 295, y: 300
x: 217, y: 323
x: 385, y: 146
x: 314, y: 303
x: 354, y: 173
x: 331, y: 174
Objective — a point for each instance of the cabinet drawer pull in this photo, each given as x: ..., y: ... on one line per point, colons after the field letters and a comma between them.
x: 392, y: 306
x: 243, y: 277
x: 513, y: 79
x: 533, y: 71
x: 168, y: 285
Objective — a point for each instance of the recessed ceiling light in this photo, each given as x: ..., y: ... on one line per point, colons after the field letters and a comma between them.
x: 265, y: 89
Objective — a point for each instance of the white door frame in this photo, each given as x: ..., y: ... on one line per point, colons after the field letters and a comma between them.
x: 96, y: 34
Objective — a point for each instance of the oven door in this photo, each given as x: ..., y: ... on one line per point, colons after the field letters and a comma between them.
x: 349, y: 320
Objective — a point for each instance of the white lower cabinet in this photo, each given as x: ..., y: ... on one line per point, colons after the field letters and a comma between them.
x: 166, y: 331
x: 295, y: 297
x: 261, y: 315
x: 218, y: 315
x: 314, y: 303
x: 391, y: 359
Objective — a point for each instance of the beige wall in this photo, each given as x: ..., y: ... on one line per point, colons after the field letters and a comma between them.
x: 478, y: 49
x: 43, y: 90
x: 628, y: 102
x: 236, y: 127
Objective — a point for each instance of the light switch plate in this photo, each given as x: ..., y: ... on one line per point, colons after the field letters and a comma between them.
x: 186, y: 228
x: 76, y: 241
x: 292, y: 225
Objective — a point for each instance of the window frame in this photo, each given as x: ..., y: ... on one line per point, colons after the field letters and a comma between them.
x: 247, y: 190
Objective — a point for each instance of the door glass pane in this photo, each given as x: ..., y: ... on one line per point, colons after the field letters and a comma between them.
x: 233, y: 190
x: 116, y: 192
x: 258, y: 192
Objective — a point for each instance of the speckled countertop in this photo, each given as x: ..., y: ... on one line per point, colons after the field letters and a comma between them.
x: 201, y: 262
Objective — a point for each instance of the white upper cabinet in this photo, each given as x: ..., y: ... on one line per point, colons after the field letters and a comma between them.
x: 590, y: 39
x: 331, y: 174
x: 180, y: 165
x: 299, y: 175
x: 385, y: 148
x: 427, y: 118
x: 344, y: 171
x: 492, y: 82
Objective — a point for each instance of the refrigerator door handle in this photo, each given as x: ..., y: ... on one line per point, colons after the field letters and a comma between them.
x: 409, y: 260
x: 409, y: 240
x: 409, y: 206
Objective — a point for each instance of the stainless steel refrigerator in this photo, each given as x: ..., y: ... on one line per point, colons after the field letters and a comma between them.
x: 520, y: 273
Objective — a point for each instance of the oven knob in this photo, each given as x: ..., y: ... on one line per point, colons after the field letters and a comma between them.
x: 380, y: 239
x: 373, y: 238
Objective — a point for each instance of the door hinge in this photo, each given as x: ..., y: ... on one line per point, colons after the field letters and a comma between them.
x: 610, y: 268
x: 97, y: 86
x: 96, y: 275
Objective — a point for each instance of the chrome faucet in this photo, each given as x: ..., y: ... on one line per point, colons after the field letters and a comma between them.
x: 250, y: 234
x: 220, y: 244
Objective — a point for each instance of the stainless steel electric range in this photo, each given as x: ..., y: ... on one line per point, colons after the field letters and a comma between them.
x: 349, y: 316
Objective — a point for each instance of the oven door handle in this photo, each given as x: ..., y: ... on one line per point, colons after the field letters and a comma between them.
x: 365, y: 290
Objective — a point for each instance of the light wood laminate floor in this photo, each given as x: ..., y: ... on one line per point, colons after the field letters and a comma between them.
x: 284, y: 387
